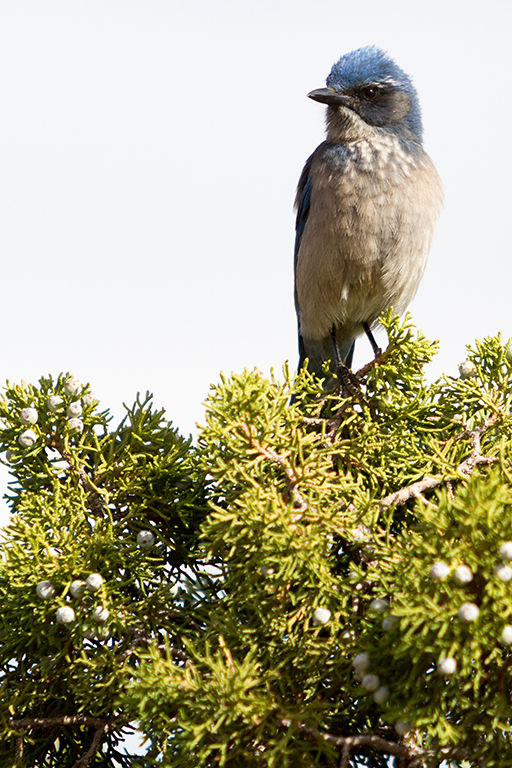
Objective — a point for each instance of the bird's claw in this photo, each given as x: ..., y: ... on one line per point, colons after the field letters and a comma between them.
x: 348, y: 383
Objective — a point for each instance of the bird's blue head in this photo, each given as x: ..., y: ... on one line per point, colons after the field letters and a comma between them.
x: 368, y: 82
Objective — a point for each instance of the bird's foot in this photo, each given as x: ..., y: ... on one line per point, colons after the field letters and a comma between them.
x: 348, y: 383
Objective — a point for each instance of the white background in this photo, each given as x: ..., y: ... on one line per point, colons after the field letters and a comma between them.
x: 149, y: 153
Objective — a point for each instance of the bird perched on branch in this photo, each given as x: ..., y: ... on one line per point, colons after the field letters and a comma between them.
x: 367, y: 204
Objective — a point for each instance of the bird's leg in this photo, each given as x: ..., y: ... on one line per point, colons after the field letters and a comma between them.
x: 347, y: 381
x: 375, y: 347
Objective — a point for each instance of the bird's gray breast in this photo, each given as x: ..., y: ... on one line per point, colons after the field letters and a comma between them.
x: 374, y: 205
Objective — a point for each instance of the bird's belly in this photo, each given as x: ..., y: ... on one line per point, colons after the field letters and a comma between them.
x: 362, y: 251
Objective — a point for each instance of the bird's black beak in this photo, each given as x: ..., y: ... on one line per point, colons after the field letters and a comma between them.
x: 329, y: 96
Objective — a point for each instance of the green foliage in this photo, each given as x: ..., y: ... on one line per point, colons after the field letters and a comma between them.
x: 289, y: 600
x: 79, y: 500
x: 472, y: 706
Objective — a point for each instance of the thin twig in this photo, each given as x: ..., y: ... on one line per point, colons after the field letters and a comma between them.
x: 50, y: 722
x: 348, y: 743
x: 84, y: 761
x: 345, y: 752
x: 141, y: 639
x: 97, y: 498
x: 20, y: 746
x: 335, y: 422
x: 407, y: 748
x: 411, y: 491
x: 466, y: 467
x: 101, y: 727
x: 289, y: 474
x: 309, y: 421
x: 377, y: 360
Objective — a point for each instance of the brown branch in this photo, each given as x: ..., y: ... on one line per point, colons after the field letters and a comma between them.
x: 345, y: 754
x: 141, y: 639
x: 175, y: 652
x: 19, y: 749
x: 347, y: 743
x: 309, y: 421
x: 97, y: 499
x: 84, y: 761
x: 289, y: 474
x: 377, y: 360
x: 466, y: 467
x: 49, y: 722
x: 411, y: 491
x: 101, y: 727
x: 335, y: 421
x: 407, y: 748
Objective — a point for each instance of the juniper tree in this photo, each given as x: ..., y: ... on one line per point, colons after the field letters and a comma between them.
x: 319, y: 583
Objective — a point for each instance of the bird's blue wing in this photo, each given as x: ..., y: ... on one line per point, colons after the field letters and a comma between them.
x: 302, y: 204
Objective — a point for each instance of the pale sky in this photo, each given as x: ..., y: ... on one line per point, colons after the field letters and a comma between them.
x: 149, y: 154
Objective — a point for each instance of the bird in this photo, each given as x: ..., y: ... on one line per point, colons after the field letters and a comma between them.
x: 367, y: 205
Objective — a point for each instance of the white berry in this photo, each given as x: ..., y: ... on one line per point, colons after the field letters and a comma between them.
x: 27, y: 438
x: 379, y: 605
x: 266, y: 570
x: 402, y: 727
x: 74, y: 409
x: 145, y: 539
x: 439, y: 571
x: 100, y: 614
x: 174, y: 591
x: 447, y: 665
x: 506, y: 635
x: 45, y: 590
x: 72, y: 386
x: 29, y: 416
x: 103, y: 633
x: 503, y: 572
x: 467, y: 370
x: 78, y: 588
x: 371, y: 683
x: 94, y: 582
x: 381, y: 694
x: 76, y: 425
x: 468, y: 612
x: 65, y: 615
x: 53, y: 552
x: 321, y: 616
x: 361, y: 662
x: 53, y: 402
x: 88, y: 399
x: 462, y: 575
x: 389, y: 623
x: 506, y: 550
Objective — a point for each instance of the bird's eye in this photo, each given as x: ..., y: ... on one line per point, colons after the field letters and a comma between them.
x: 370, y: 93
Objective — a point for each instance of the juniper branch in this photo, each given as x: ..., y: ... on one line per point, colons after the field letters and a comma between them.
x: 466, y: 467
x: 410, y: 751
x: 290, y: 476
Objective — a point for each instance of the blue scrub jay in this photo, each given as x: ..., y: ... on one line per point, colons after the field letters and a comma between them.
x: 367, y: 205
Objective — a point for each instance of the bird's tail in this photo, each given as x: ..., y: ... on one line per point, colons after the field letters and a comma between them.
x: 319, y: 350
